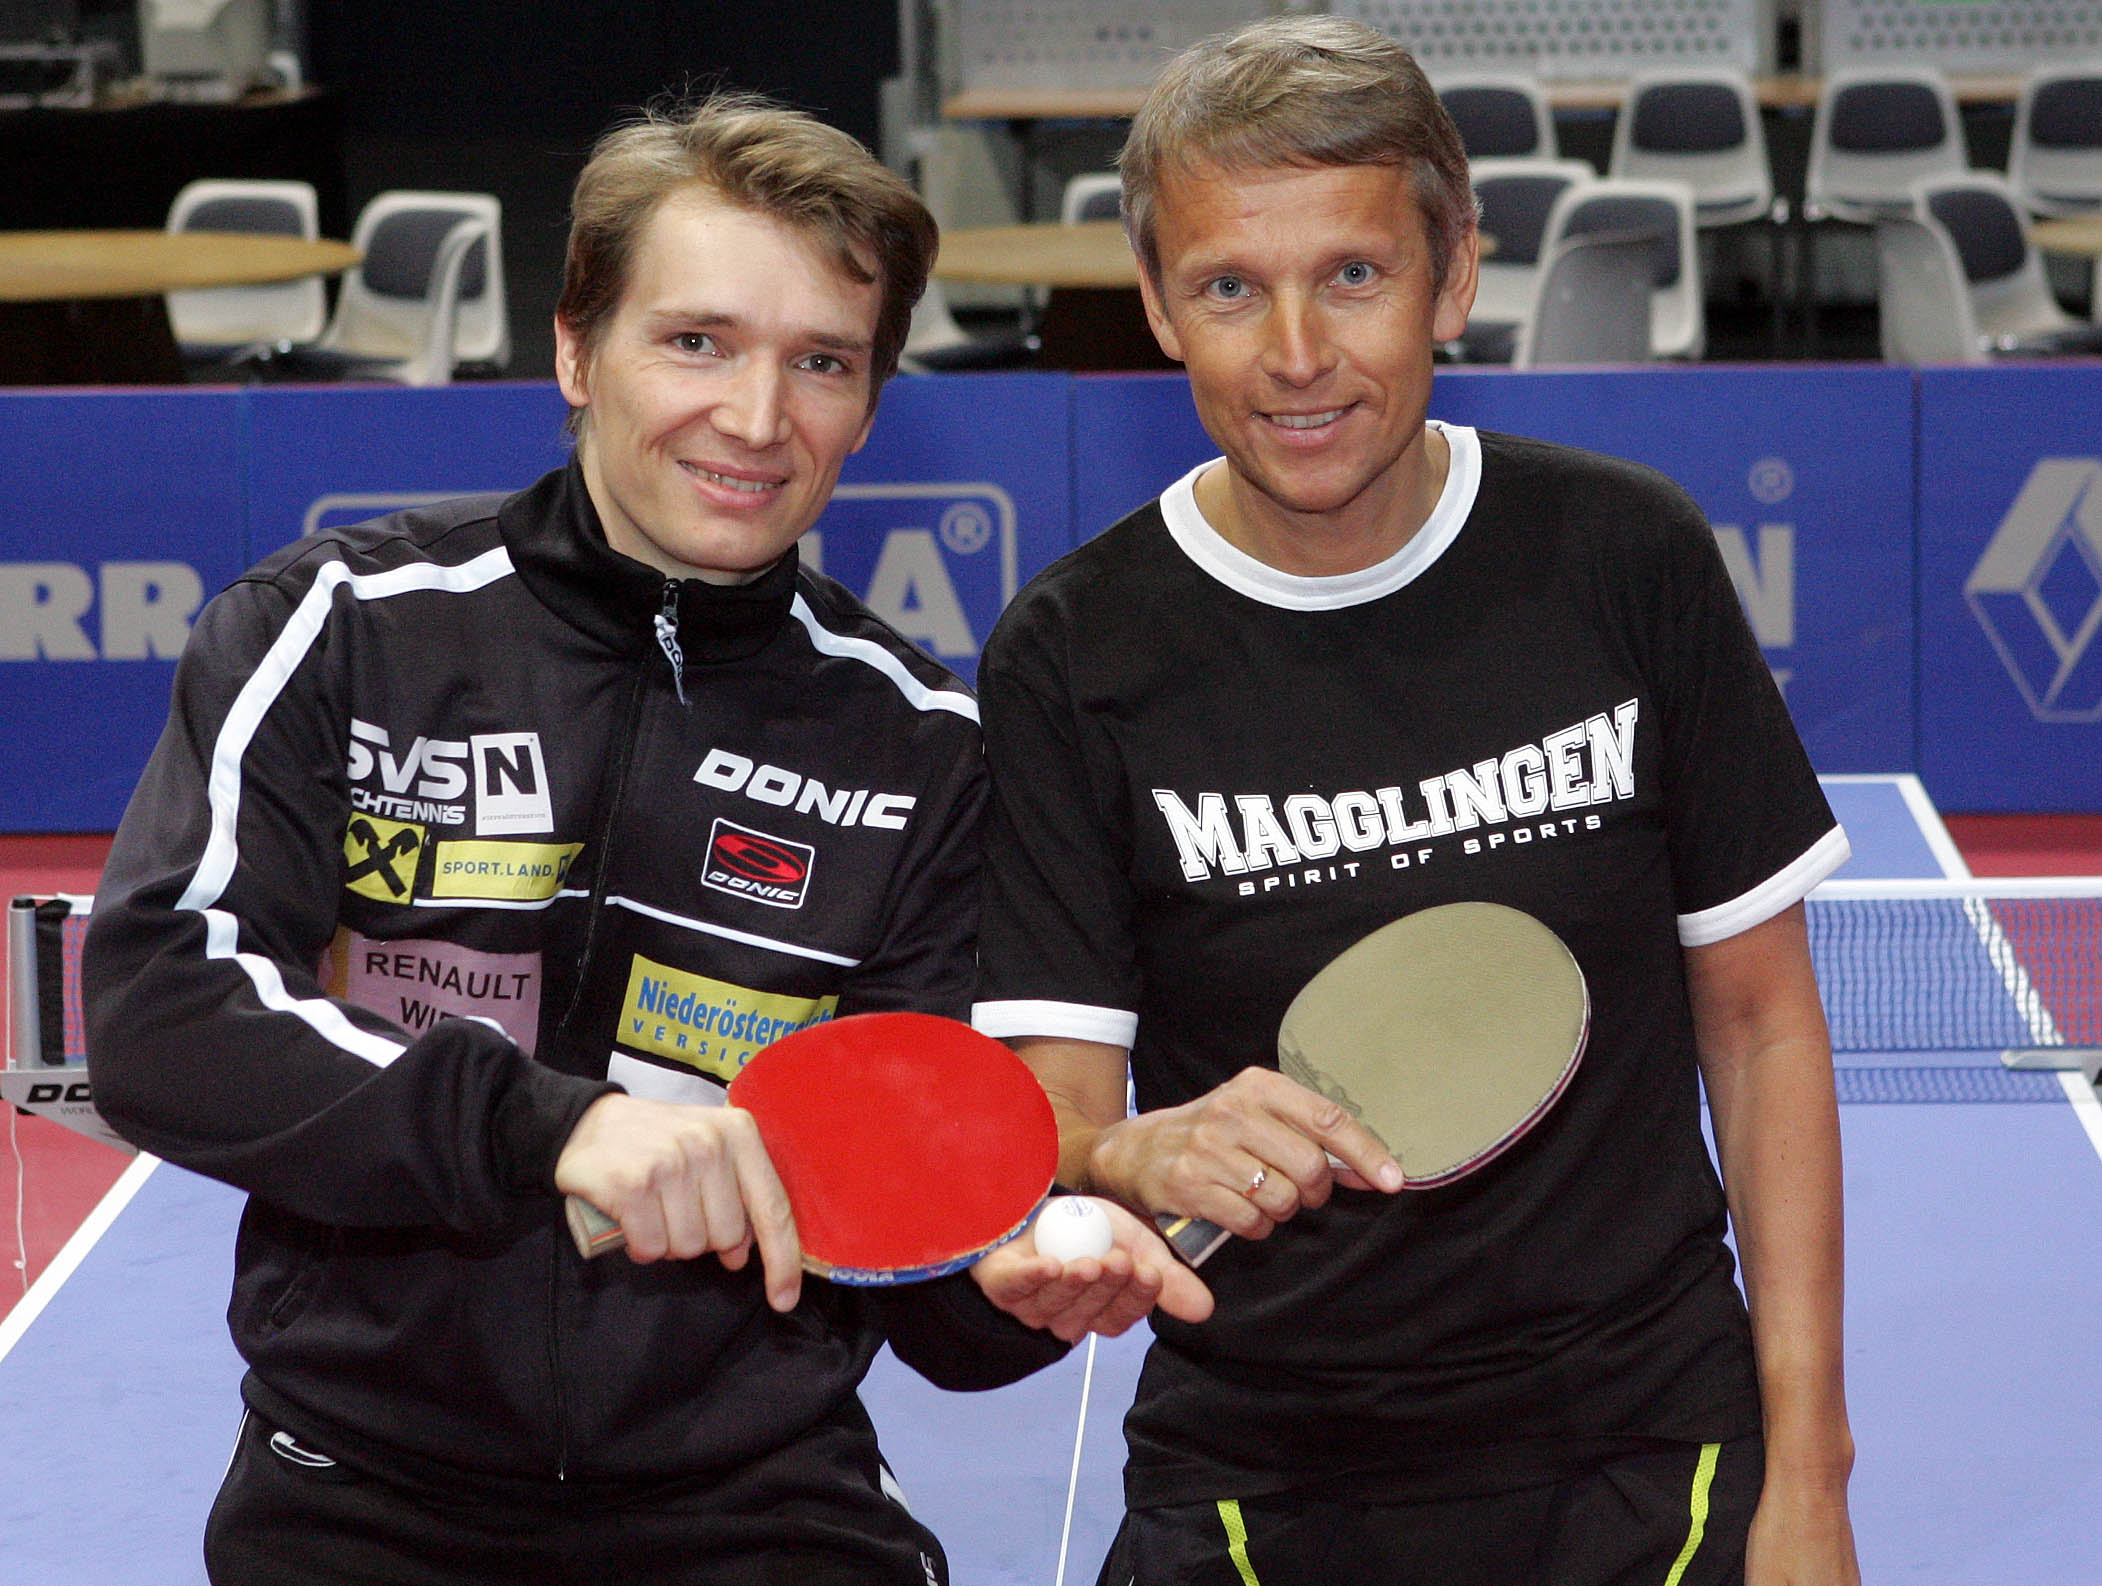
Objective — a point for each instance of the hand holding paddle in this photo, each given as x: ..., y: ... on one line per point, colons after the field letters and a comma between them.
x: 686, y: 1180
x: 1206, y: 1154
x: 1446, y: 1034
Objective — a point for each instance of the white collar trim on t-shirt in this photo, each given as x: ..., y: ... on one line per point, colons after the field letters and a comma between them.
x: 1258, y: 580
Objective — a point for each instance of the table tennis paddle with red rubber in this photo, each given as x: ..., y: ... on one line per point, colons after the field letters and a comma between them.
x: 1448, y: 1033
x: 909, y: 1145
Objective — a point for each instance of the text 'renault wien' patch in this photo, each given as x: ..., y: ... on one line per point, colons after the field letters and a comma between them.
x: 416, y: 983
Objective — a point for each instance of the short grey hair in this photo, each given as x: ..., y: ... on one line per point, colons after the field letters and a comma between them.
x: 1308, y: 91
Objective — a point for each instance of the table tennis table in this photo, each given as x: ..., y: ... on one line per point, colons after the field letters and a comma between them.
x: 1974, y: 1273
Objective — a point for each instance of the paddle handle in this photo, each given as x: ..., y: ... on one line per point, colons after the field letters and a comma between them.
x: 594, y: 1232
x: 1192, y: 1238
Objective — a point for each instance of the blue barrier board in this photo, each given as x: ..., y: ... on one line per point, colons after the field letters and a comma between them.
x: 120, y: 515
x: 121, y: 511
x: 322, y: 456
x: 2010, y: 587
x: 958, y: 499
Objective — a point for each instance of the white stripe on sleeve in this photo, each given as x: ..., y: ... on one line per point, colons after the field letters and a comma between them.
x: 826, y: 642
x: 222, y: 853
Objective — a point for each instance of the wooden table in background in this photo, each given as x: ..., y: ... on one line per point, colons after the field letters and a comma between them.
x: 2080, y: 234
x: 1094, y: 319
x: 1786, y: 91
x: 87, y: 307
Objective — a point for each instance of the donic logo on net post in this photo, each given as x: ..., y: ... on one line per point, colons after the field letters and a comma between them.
x: 751, y: 864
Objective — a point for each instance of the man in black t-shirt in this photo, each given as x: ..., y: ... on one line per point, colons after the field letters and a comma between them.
x: 1362, y: 665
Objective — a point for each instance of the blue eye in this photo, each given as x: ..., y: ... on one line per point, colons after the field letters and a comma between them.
x: 1356, y: 273
x: 1230, y: 286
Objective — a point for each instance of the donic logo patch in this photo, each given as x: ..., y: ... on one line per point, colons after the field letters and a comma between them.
x: 753, y: 865
x: 2037, y: 590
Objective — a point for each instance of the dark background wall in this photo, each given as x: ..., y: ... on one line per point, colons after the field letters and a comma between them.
x: 483, y: 68
x: 506, y: 96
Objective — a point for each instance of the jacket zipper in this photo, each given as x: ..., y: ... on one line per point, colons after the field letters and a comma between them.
x: 667, y: 632
x: 667, y: 626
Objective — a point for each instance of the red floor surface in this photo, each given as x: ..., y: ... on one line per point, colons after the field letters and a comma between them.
x: 2029, y: 845
x: 61, y: 1174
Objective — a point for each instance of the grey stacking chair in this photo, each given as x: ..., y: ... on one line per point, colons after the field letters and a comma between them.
x: 1516, y: 197
x: 1701, y: 128
x: 1959, y: 282
x: 1876, y: 132
x: 1593, y: 301
x: 427, y: 297
x: 1664, y: 210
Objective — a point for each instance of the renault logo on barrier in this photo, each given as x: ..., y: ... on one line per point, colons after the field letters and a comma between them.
x: 2037, y: 590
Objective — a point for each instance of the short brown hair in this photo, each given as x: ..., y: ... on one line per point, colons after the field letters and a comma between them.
x: 1298, y: 90
x: 766, y: 157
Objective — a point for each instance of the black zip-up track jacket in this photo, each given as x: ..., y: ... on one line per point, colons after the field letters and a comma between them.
x: 467, y: 759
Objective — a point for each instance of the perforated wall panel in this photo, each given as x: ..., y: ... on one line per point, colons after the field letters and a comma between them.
x: 1083, y: 43
x: 1959, y: 35
x: 1569, y: 38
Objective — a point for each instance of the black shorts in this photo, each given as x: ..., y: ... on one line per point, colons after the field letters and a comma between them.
x: 1676, y: 1516
x: 290, y: 1514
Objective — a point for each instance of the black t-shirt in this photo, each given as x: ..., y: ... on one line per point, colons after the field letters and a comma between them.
x: 1210, y: 777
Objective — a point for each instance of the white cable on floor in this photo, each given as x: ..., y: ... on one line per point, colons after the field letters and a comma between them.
x: 1065, y: 1532
x: 14, y: 1144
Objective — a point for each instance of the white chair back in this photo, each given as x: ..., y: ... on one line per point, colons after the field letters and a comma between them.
x: 1501, y: 115
x: 229, y: 317
x: 383, y: 310
x: 1092, y: 195
x: 1701, y: 128
x: 1517, y: 196
x: 2055, y: 158
x: 2012, y: 308
x: 1593, y: 305
x: 1924, y: 311
x: 1876, y: 132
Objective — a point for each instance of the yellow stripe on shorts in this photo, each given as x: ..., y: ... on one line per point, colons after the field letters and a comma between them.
x: 1237, y: 1539
x: 1703, y: 1478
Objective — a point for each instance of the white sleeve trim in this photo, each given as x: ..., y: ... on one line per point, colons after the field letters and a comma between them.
x: 869, y: 653
x: 1787, y: 886
x: 1073, y: 1021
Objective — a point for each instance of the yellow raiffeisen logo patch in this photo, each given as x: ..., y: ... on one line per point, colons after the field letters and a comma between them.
x: 501, y: 870
x: 382, y: 856
x: 710, y: 1024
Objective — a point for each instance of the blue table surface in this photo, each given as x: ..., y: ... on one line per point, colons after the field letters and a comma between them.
x: 1973, y: 1283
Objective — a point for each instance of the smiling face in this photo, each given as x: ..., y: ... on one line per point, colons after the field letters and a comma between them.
x: 1301, y: 302
x: 724, y: 392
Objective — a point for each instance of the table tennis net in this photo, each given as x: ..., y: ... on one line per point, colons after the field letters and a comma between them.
x: 44, y: 937
x: 2001, y: 966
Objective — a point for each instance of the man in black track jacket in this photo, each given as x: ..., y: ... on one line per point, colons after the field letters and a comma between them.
x: 485, y: 842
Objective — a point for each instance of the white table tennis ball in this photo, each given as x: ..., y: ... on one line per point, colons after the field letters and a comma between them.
x: 1072, y: 1227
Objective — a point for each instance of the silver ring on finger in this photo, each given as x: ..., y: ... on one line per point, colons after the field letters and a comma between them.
x: 1262, y: 1177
